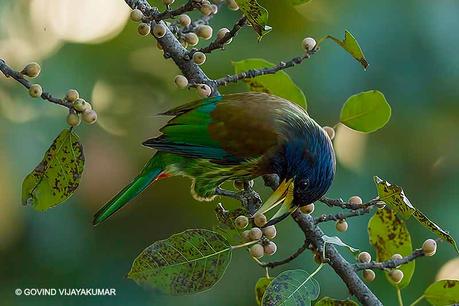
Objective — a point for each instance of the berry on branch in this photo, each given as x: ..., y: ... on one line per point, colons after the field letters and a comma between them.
x: 270, y: 248
x: 307, y: 209
x: 181, y: 81
x: 192, y: 39
x: 72, y: 95
x: 73, y: 119
x: 309, y: 43
x: 396, y: 275
x: 136, y: 15
x: 255, y: 233
x: 369, y: 275
x: 89, y: 116
x: 31, y: 70
x: 144, y: 29
x: 35, y: 90
x: 260, y: 219
x: 241, y: 222
x: 199, y: 58
x: 184, y: 20
x: 159, y: 30
x: 364, y: 257
x: 429, y: 247
x: 341, y: 226
x: 221, y: 33
x: 257, y: 250
x: 356, y: 200
x: 204, y: 31
x: 204, y: 90
x: 269, y: 231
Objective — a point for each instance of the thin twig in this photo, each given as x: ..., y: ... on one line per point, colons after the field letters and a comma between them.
x: 389, y: 264
x: 10, y: 72
x: 220, y: 43
x: 268, y: 70
x: 347, y: 205
x: 342, y: 216
x: 189, y: 6
x: 297, y: 253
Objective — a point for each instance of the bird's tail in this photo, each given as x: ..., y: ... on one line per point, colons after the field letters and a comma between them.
x: 152, y: 171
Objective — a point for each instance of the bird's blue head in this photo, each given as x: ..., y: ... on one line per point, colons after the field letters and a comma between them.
x: 308, y: 159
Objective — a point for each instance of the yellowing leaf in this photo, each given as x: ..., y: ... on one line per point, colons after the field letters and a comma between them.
x: 394, y: 196
x: 185, y: 263
x: 444, y: 292
x: 366, y: 112
x: 279, y: 84
x: 256, y: 15
x: 388, y: 235
x: 57, y: 176
x: 434, y: 228
x: 260, y: 288
x: 351, y: 45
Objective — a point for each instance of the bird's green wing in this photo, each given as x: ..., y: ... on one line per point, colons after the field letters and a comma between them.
x: 225, y: 129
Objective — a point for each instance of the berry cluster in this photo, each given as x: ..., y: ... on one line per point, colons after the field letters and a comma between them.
x: 188, y: 33
x: 259, y: 232
x: 80, y: 106
x: 429, y: 248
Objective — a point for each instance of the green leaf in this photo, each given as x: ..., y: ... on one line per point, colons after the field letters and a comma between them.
x: 366, y: 111
x: 351, y: 45
x: 443, y: 292
x: 388, y: 235
x: 337, y: 241
x: 394, y: 196
x: 434, y: 228
x: 260, y: 288
x: 291, y: 288
x: 185, y: 263
x: 328, y: 301
x: 57, y: 176
x: 279, y: 84
x: 256, y: 15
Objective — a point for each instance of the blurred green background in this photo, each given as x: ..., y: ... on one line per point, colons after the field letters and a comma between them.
x: 91, y: 46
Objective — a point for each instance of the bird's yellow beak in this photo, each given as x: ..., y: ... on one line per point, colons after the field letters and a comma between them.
x: 283, y: 193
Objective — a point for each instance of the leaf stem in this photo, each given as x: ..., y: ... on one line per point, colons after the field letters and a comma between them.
x: 233, y: 247
x: 417, y: 300
x: 399, y: 296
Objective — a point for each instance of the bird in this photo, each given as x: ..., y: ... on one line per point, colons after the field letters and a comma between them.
x: 238, y: 136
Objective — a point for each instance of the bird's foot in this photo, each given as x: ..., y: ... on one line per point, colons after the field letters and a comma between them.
x: 249, y: 198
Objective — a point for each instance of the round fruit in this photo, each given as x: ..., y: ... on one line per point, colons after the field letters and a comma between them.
x: 72, y: 95
x: 246, y: 235
x: 270, y: 248
x: 429, y: 247
x: 31, y: 70
x: 199, y: 58
x: 184, y: 20
x: 260, y: 219
x: 307, y: 209
x: 144, y: 29
x: 356, y: 200
x: 269, y: 231
x: 257, y: 250
x: 204, y: 90
x: 396, y: 275
x: 330, y: 132
x: 181, y: 81
x: 136, y: 15
x: 159, y: 30
x: 73, y: 119
x: 192, y: 39
x: 309, y: 43
x: 364, y: 257
x: 255, y: 233
x: 369, y: 275
x: 89, y: 116
x: 204, y: 31
x: 35, y: 90
x: 241, y: 222
x: 341, y: 226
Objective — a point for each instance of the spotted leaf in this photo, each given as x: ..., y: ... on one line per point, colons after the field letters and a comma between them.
x: 443, y: 292
x: 291, y: 288
x: 57, y: 176
x: 185, y: 263
x: 394, y: 196
x: 434, y: 228
x: 256, y: 15
x: 388, y: 235
x: 260, y: 288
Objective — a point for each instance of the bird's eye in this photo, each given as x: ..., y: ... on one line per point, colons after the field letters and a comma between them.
x: 304, y: 183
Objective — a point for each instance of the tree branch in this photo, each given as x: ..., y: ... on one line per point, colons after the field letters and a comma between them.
x: 297, y: 253
x: 342, y: 216
x: 341, y: 266
x: 173, y: 49
x: 389, y: 264
x: 268, y: 70
x: 220, y: 43
x: 346, y: 205
x: 10, y: 72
